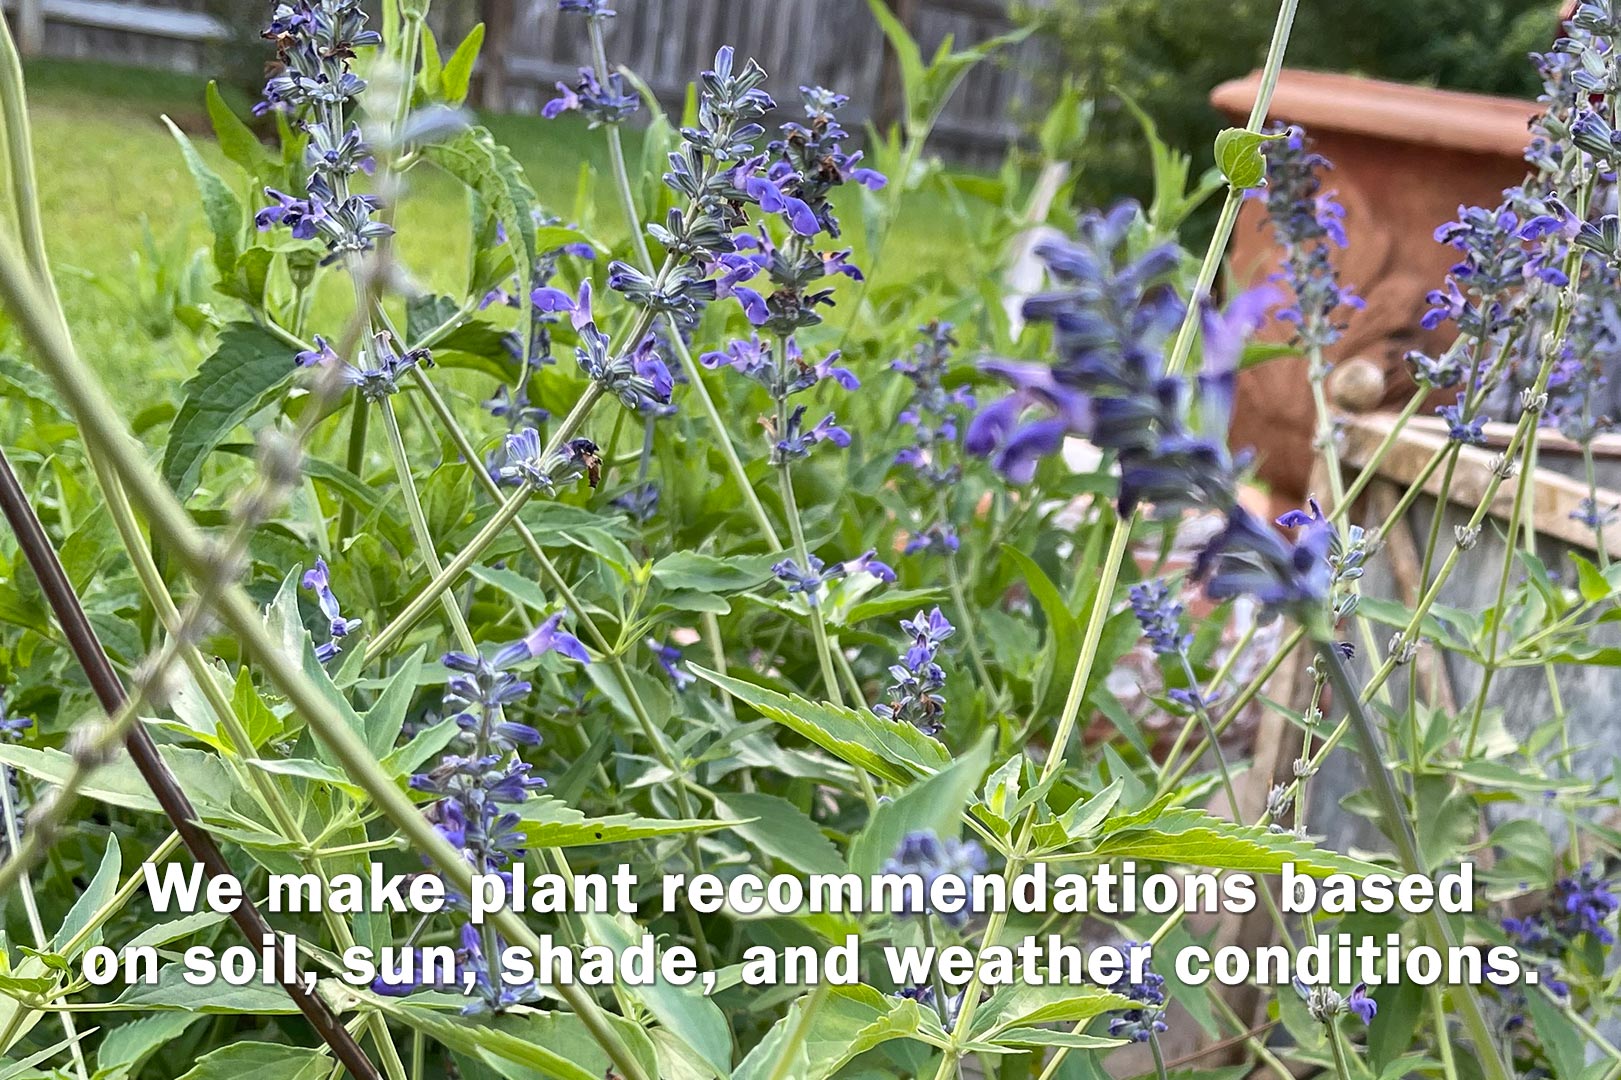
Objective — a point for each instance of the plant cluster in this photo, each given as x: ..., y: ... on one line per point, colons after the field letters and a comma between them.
x: 794, y: 569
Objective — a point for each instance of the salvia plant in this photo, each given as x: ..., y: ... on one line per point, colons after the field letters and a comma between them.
x: 688, y: 535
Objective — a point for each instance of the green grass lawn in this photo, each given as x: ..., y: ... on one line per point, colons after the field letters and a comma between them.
x: 111, y: 174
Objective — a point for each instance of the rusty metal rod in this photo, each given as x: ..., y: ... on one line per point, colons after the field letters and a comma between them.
x: 109, y: 689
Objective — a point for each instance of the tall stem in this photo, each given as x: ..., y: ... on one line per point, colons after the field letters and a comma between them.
x: 785, y: 479
x: 419, y: 523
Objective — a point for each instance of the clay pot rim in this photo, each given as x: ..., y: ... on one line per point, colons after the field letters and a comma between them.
x: 1331, y: 101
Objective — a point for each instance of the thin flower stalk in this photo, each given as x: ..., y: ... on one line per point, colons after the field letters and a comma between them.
x: 818, y: 622
x: 706, y: 401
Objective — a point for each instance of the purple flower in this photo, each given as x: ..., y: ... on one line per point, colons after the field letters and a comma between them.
x: 319, y: 581
x: 669, y: 658
x: 1361, y: 1004
x: 1003, y: 428
x: 11, y: 728
x: 1160, y: 617
x: 924, y: 855
x: 868, y: 563
x: 301, y: 216
x: 322, y: 354
x: 1148, y: 1019
x: 545, y: 638
x: 1470, y: 432
x: 549, y: 299
x: 600, y: 102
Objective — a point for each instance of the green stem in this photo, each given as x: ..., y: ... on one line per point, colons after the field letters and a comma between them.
x: 785, y: 478
x: 1342, y: 1067
x: 355, y: 461
x: 1399, y: 828
x: 444, y: 578
x: 419, y: 526
x: 31, y: 910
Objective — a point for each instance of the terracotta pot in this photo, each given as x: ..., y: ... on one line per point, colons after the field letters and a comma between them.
x: 1404, y: 158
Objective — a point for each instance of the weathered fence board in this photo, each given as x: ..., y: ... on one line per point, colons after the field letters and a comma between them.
x: 833, y: 43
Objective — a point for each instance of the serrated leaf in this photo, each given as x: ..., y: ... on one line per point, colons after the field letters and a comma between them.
x: 1238, y: 156
x: 896, y: 752
x: 490, y: 170
x: 1085, y: 815
x: 1196, y: 838
x: 260, y: 1061
x: 129, y: 1045
x: 220, y: 204
x: 548, y: 823
x: 849, y: 1021
x: 781, y: 830
x: 249, y: 367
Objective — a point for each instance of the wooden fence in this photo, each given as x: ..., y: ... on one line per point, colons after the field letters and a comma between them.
x: 530, y: 46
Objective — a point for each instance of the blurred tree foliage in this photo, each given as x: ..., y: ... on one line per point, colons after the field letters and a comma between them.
x: 1168, y: 54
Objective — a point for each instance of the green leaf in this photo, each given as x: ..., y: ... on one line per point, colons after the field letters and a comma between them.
x: 95, y: 896
x: 423, y: 747
x: 1196, y: 838
x: 1063, y: 635
x: 849, y: 1021
x: 548, y: 823
x: 386, y: 718
x: 712, y: 574
x: 246, y: 371
x: 262, y: 725
x: 1238, y: 156
x: 889, y: 603
x: 458, y: 72
x: 1590, y: 580
x: 1019, y: 1005
x: 174, y: 929
x: 237, y: 141
x: 220, y: 205
x: 528, y: 1040
x: 683, y: 1010
x: 218, y: 998
x: 1085, y: 815
x: 896, y: 752
x: 118, y: 783
x: 1023, y: 1037
x: 490, y: 170
x: 781, y: 830
x: 129, y: 1045
x: 307, y: 769
x: 1565, y: 1045
x: 260, y: 1061
x: 935, y: 804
